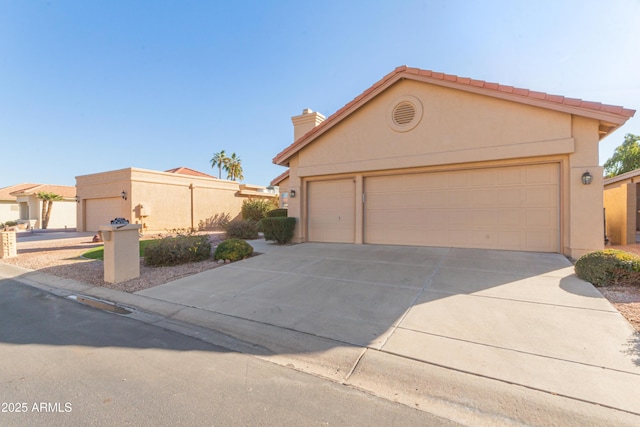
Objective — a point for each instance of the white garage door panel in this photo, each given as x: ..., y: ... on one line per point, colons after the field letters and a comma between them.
x: 101, y: 211
x: 514, y: 208
x: 332, y: 211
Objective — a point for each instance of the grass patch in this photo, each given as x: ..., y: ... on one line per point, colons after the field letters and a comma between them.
x: 98, y: 252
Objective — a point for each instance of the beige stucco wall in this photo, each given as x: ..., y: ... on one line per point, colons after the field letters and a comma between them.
x: 620, y: 205
x: 63, y: 212
x: 456, y: 127
x: 460, y: 130
x: 169, y: 200
x: 9, y: 211
x: 284, y: 192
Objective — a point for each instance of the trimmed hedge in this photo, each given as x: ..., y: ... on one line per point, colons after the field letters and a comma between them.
x: 177, y: 250
x: 609, y: 267
x: 279, y: 229
x: 233, y: 250
x: 245, y: 229
x: 277, y: 213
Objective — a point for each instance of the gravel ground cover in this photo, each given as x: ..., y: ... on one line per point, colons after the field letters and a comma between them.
x: 62, y: 258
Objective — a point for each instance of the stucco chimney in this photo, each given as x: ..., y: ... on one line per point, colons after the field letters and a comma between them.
x: 305, y: 122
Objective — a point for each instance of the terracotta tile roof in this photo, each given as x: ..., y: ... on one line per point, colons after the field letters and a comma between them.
x: 11, y: 192
x: 615, y: 116
x: 278, y: 179
x: 6, y: 192
x: 186, y: 171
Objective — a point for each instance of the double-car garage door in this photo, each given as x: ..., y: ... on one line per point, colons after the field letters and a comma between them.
x: 513, y: 208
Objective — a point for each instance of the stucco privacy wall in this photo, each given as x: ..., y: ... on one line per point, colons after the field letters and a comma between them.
x: 159, y: 200
x: 458, y: 130
x: 620, y: 204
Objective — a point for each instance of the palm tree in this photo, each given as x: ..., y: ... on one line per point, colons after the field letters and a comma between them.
x: 220, y: 160
x: 234, y: 168
x: 47, y: 203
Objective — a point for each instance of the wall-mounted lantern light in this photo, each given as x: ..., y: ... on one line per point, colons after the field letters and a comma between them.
x: 124, y: 195
x: 587, y: 178
x: 77, y: 199
x: 292, y: 193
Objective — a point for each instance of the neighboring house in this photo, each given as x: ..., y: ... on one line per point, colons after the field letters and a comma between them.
x: 282, y: 182
x: 20, y: 203
x: 160, y: 201
x: 622, y: 207
x: 431, y: 159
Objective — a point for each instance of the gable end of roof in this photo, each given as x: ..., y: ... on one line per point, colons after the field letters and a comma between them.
x: 614, y: 115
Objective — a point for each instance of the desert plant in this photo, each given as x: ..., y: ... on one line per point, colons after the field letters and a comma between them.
x: 233, y: 250
x: 277, y: 213
x: 256, y: 209
x: 609, y: 267
x: 278, y: 229
x: 177, y: 250
x: 245, y: 229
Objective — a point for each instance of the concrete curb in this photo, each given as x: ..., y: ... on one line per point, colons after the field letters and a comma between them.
x: 459, y: 396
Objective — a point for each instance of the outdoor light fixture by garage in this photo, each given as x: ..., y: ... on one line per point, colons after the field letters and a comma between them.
x: 587, y: 178
x: 292, y: 193
x: 124, y: 193
x: 77, y: 199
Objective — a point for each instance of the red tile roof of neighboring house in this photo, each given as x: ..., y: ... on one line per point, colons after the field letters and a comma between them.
x: 614, y: 116
x: 186, y: 171
x: 65, y: 191
x: 278, y: 179
x: 6, y: 192
x: 11, y: 192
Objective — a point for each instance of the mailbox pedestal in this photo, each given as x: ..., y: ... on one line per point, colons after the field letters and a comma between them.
x: 8, y: 247
x: 121, y: 252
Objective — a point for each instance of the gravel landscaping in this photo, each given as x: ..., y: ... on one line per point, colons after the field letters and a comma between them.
x: 62, y: 258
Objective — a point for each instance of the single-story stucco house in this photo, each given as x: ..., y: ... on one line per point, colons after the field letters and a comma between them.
x: 20, y: 203
x: 622, y: 207
x: 432, y: 159
x: 161, y: 201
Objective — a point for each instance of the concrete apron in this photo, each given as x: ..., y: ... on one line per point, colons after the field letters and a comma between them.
x: 503, y: 333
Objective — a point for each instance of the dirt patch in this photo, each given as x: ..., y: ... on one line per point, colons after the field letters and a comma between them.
x: 62, y: 258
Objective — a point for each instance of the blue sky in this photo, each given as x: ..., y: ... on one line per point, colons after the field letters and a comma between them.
x: 90, y: 86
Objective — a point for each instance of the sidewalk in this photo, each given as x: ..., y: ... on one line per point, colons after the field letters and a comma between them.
x: 279, y: 307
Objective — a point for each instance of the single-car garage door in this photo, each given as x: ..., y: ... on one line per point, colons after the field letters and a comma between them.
x: 101, y: 211
x: 332, y: 211
x: 513, y: 208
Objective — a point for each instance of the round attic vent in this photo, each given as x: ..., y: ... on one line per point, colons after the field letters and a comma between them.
x: 404, y: 113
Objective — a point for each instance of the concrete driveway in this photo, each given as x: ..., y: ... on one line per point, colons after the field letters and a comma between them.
x: 519, y: 320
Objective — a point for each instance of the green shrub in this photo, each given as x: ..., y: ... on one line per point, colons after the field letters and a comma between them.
x: 245, y: 229
x: 177, y: 250
x: 278, y: 229
x: 233, y: 249
x: 256, y: 209
x: 277, y: 213
x: 11, y: 223
x: 609, y: 267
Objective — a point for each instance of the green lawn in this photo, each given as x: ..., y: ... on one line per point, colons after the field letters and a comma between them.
x: 98, y: 252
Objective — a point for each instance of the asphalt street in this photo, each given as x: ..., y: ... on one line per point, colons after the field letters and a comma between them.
x: 65, y: 363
